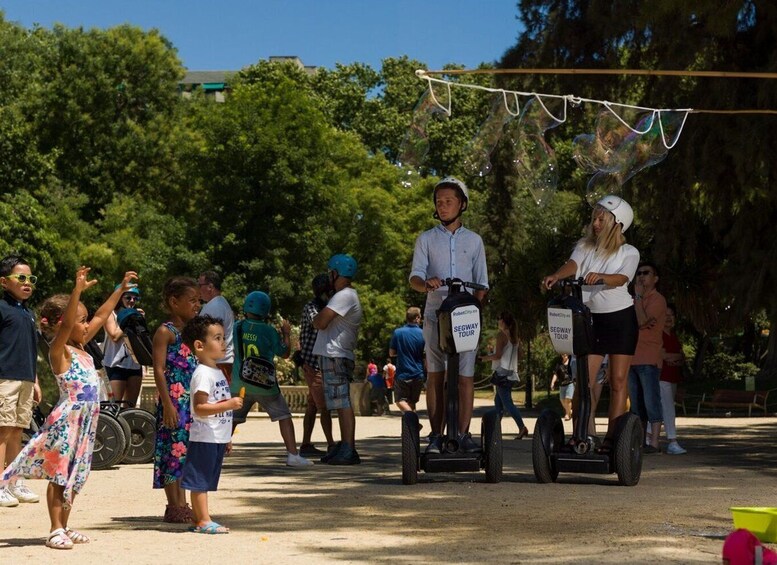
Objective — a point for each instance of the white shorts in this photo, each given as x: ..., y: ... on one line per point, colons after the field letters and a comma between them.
x: 435, y: 358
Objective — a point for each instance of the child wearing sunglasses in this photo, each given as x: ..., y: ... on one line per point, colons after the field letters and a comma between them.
x: 19, y: 390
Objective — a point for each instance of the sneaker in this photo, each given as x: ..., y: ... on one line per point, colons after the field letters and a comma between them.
x: 674, y: 448
x: 310, y: 450
x: 296, y: 460
x: 346, y: 455
x: 435, y: 444
x: 467, y: 444
x: 7, y: 499
x: 331, y: 452
x: 21, y: 493
x: 650, y: 449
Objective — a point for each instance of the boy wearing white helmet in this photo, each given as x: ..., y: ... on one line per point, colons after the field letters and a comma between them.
x: 338, y: 326
x: 447, y: 250
x: 607, y: 263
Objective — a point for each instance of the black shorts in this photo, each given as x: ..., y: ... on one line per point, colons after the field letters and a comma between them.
x: 616, y: 333
x: 122, y: 374
x: 408, y: 390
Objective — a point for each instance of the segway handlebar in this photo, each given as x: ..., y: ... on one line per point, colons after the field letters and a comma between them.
x: 572, y: 282
x: 456, y: 281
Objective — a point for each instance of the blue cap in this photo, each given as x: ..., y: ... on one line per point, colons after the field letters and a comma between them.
x: 345, y: 265
x: 257, y: 303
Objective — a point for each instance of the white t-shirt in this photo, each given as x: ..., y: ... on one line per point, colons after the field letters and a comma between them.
x: 509, y: 360
x: 218, y: 427
x: 600, y: 298
x: 339, y: 337
x: 218, y: 307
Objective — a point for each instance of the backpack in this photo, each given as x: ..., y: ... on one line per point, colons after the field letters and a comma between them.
x: 137, y: 338
x: 255, y: 370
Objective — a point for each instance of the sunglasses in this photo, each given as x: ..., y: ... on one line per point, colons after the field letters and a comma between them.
x: 32, y: 279
x: 131, y: 298
x: 645, y: 272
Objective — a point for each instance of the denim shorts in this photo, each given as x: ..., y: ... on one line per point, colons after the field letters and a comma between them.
x: 435, y: 358
x: 566, y: 391
x: 645, y: 392
x: 338, y: 374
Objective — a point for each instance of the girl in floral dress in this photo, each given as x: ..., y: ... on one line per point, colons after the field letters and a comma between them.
x: 61, y: 452
x: 174, y: 364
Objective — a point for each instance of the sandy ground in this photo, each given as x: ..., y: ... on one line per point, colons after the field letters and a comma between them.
x: 677, y: 514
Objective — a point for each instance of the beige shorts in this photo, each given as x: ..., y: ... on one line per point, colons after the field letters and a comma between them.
x: 16, y: 403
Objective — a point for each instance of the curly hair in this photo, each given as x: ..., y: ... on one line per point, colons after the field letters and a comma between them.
x: 196, y: 329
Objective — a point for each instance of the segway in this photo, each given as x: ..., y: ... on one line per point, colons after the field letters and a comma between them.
x: 458, y: 322
x: 571, y: 332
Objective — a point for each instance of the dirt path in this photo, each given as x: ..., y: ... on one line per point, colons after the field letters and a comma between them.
x: 677, y: 514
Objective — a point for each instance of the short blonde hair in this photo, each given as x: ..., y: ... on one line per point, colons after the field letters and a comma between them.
x: 609, y: 239
x: 412, y: 313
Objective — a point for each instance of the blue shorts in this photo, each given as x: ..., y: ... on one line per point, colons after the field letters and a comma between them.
x: 566, y: 391
x: 202, y: 468
x: 337, y: 373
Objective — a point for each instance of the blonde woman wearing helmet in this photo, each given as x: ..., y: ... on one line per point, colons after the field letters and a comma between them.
x: 607, y: 263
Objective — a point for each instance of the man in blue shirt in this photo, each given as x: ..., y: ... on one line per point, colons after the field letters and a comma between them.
x: 447, y: 250
x: 407, y: 345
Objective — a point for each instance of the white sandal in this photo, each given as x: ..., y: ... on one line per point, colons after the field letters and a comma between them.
x: 58, y: 539
x: 76, y: 537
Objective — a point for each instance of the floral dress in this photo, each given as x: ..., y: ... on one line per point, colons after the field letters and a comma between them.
x: 61, y: 451
x: 171, y: 443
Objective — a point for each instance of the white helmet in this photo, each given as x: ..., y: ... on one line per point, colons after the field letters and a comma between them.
x: 621, y: 209
x: 452, y: 182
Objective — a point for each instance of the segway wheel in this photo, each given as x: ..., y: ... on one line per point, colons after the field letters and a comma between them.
x: 410, y: 448
x: 141, y: 436
x: 109, y: 442
x: 548, y: 438
x: 628, y: 450
x: 492, y: 446
x: 126, y: 429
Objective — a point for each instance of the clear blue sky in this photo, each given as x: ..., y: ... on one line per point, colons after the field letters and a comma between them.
x: 230, y: 34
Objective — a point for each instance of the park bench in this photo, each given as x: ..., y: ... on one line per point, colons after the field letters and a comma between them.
x: 725, y: 398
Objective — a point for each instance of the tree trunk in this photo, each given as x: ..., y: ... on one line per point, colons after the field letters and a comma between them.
x: 701, y: 352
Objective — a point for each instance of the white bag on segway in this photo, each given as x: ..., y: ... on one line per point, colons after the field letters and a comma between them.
x: 570, y: 326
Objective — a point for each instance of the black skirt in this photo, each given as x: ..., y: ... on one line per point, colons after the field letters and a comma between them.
x: 616, y: 333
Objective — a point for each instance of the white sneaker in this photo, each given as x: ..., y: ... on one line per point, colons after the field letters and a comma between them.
x: 674, y: 448
x: 297, y: 460
x: 20, y: 491
x: 7, y: 499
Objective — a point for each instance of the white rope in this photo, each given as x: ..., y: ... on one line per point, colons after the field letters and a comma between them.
x: 567, y: 98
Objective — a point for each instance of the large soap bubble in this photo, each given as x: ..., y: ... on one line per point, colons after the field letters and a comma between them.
x: 534, y: 161
x: 624, y: 144
x: 477, y: 161
x: 415, y: 145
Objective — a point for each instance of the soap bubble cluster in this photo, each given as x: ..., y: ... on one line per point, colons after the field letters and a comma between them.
x: 623, y: 145
x: 534, y: 160
x: 415, y: 145
x: 477, y: 162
